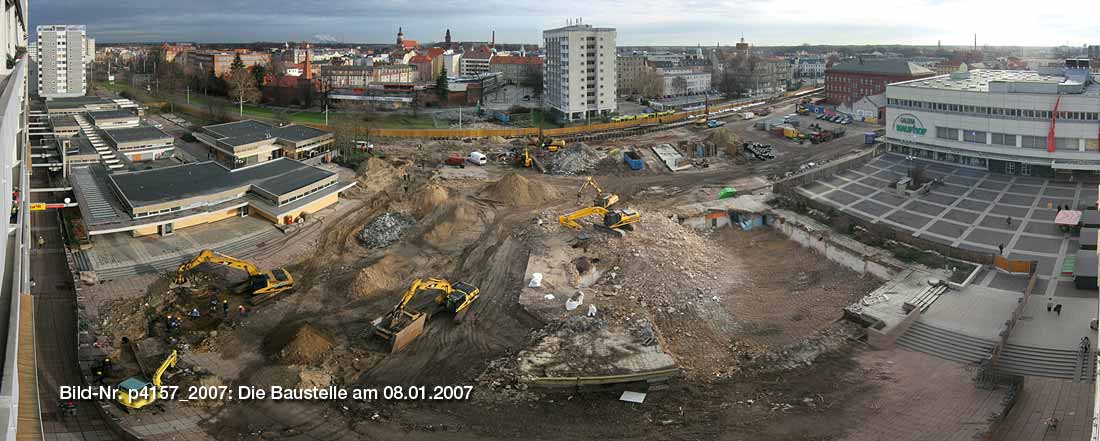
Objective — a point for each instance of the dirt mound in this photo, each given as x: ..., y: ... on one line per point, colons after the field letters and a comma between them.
x: 497, y: 140
x: 724, y: 139
x: 384, y: 275
x: 453, y: 221
x: 514, y: 189
x: 306, y: 345
x: 428, y: 198
x: 376, y: 174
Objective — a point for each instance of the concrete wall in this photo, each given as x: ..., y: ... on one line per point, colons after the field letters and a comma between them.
x: 189, y: 222
x: 312, y: 207
x: 822, y: 243
x: 885, y: 340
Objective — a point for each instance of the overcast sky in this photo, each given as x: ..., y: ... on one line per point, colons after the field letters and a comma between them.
x: 639, y: 22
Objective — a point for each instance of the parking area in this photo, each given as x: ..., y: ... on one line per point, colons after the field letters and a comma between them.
x: 972, y: 210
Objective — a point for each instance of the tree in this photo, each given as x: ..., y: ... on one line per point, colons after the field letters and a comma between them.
x: 441, y: 87
x: 649, y: 84
x: 679, y: 85
x: 258, y: 73
x: 237, y: 63
x: 242, y: 86
x: 170, y: 78
x: 533, y: 79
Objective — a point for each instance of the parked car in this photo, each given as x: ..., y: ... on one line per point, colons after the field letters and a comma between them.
x: 477, y: 158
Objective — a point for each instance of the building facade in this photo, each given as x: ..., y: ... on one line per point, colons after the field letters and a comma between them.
x: 679, y: 81
x: 847, y: 82
x: 630, y: 69
x: 61, y: 63
x: 1029, y: 123
x: 475, y: 61
x: 580, y: 72
x: 219, y: 62
x: 361, y: 77
x: 516, y: 69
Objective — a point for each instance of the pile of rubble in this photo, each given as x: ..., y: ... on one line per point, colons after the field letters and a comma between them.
x: 384, y: 230
x: 577, y: 158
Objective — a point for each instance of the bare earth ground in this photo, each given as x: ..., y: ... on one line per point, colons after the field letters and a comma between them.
x: 751, y: 318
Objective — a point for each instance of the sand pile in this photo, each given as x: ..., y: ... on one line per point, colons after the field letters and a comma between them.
x: 497, y: 140
x: 724, y: 139
x: 306, y: 345
x: 376, y: 174
x: 514, y: 189
x: 453, y: 221
x: 385, y: 275
x: 428, y: 198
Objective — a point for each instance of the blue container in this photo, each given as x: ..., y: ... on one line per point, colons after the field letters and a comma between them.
x: 636, y: 162
x: 869, y: 138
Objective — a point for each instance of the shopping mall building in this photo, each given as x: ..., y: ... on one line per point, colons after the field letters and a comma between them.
x: 1031, y: 123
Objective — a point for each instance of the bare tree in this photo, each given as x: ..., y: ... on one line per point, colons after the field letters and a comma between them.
x: 242, y: 87
x: 649, y: 84
x: 679, y: 85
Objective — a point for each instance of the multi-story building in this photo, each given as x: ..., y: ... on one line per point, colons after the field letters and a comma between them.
x: 580, y: 72
x: 516, y: 69
x: 451, y: 63
x: 61, y: 68
x: 475, y: 61
x: 219, y: 62
x: 808, y: 67
x: 361, y: 77
x: 753, y: 74
x: 629, y: 69
x: 847, y: 82
x: 171, y: 51
x: 678, y: 81
x: 1030, y: 123
x: 89, y: 50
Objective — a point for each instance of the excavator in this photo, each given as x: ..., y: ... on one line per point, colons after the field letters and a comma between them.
x: 261, y: 286
x: 619, y: 220
x: 602, y: 200
x: 401, y: 326
x: 136, y: 392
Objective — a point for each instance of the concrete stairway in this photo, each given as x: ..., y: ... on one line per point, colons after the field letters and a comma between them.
x: 949, y: 345
x: 1044, y: 362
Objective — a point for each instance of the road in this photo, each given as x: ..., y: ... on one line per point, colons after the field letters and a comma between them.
x: 55, y: 331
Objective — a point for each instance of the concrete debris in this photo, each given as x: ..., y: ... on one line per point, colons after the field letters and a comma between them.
x: 575, y: 159
x: 384, y: 230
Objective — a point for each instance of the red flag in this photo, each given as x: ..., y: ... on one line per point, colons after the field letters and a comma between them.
x: 1053, y: 118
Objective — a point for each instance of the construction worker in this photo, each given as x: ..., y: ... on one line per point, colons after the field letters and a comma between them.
x: 41, y: 242
x: 100, y: 377
x: 225, y: 308
x: 213, y: 305
x: 194, y: 314
x: 241, y: 311
x: 168, y: 324
x: 107, y: 365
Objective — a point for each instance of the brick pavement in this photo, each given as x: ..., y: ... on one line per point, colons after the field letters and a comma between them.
x: 1042, y: 398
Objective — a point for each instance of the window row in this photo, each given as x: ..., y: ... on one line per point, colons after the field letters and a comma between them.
x: 993, y: 111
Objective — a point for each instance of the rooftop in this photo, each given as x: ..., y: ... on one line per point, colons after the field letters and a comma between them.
x: 882, y: 67
x: 512, y: 59
x: 249, y: 131
x: 111, y: 114
x: 1004, y: 81
x: 133, y: 134
x: 63, y: 121
x: 155, y: 186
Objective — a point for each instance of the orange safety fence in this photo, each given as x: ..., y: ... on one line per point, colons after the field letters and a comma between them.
x: 1012, y: 266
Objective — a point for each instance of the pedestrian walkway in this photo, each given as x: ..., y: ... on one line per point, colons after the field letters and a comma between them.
x: 1043, y: 398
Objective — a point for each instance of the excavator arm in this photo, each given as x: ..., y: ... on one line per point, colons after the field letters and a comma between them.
x: 213, y: 257
x: 603, y: 200
x: 168, y: 362
x: 570, y: 220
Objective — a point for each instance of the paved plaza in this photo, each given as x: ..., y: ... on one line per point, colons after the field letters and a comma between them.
x: 972, y: 210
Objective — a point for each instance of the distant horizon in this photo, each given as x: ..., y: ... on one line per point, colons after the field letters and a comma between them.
x: 349, y: 43
x: 765, y: 23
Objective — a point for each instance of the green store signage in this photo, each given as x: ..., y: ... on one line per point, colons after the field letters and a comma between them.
x: 908, y: 123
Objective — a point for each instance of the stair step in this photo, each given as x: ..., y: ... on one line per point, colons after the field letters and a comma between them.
x: 974, y: 352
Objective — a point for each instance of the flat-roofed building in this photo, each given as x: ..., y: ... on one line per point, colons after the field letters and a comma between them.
x: 80, y: 104
x: 219, y: 62
x: 64, y: 126
x: 161, y: 200
x: 141, y: 143
x: 244, y: 143
x: 109, y: 119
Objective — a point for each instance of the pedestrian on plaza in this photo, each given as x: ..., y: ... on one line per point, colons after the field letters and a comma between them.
x: 1050, y: 304
x: 225, y: 308
x: 1008, y: 221
x: 1058, y: 309
x: 1085, y: 344
x: 213, y: 304
x: 1002, y: 248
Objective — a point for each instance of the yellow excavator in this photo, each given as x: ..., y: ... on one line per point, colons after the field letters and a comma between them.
x: 602, y: 200
x: 619, y: 220
x: 261, y: 286
x: 136, y: 392
x: 401, y: 326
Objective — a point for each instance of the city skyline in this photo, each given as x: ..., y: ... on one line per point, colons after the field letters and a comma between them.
x: 761, y: 22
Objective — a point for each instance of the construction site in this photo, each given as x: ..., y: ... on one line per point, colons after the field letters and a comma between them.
x: 649, y: 279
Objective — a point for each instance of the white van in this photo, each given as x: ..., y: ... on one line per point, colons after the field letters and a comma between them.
x: 477, y: 158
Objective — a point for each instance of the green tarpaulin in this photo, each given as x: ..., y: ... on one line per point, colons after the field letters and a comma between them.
x: 727, y: 192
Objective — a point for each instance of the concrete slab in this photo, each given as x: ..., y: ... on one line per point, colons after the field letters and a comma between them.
x: 998, y: 178
x: 1066, y: 288
x: 841, y: 197
x: 993, y: 185
x: 941, y: 199
x: 122, y: 249
x: 890, y: 199
x: 859, y: 189
x: 949, y: 229
x: 1013, y: 283
x: 909, y: 219
x: 970, y: 172
x: 954, y: 190
x: 1056, y: 192
x: 1016, y: 199
x: 1043, y: 215
x: 875, y: 182
x: 1043, y: 329
x: 971, y: 204
x: 851, y: 174
x: 816, y: 188
x: 974, y: 311
x: 1046, y: 264
x: 924, y: 208
x: 961, y: 216
x: 1029, y: 243
x: 872, y: 208
x: 978, y: 247
x: 961, y: 181
x: 1009, y: 210
x: 982, y: 195
x: 1029, y: 190
x: 989, y: 237
x: 1053, y: 203
x: 1042, y: 227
